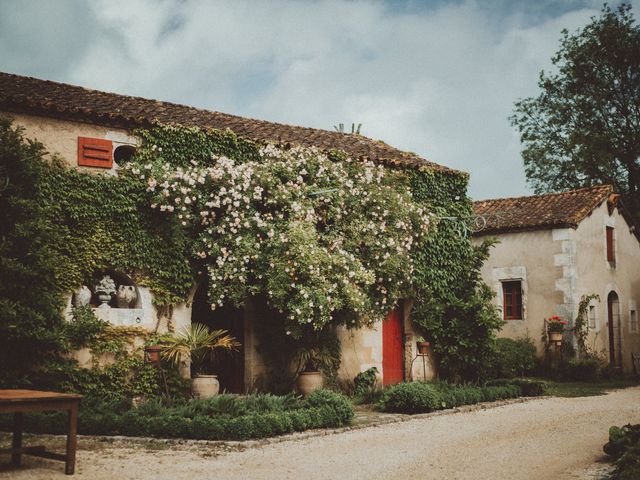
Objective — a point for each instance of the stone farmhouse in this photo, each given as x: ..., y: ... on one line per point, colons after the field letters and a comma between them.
x: 555, y: 248
x: 92, y: 131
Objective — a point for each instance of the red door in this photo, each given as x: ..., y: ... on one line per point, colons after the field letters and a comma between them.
x: 392, y: 349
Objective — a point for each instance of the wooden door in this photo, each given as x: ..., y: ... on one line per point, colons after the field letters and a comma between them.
x: 613, y: 314
x: 392, y: 349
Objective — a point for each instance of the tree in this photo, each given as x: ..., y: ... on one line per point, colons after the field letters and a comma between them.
x: 584, y: 127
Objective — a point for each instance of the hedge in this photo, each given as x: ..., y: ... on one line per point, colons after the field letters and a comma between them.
x: 321, y: 409
x: 423, y: 397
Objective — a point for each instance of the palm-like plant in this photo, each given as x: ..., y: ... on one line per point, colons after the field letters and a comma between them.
x: 198, y: 344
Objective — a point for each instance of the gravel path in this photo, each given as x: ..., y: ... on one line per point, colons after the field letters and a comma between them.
x: 549, y: 438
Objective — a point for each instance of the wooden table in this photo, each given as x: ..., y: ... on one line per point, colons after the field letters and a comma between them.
x: 21, y: 401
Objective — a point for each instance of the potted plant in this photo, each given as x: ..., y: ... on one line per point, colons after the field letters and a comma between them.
x: 555, y: 328
x: 423, y: 346
x: 311, y: 361
x: 199, y: 345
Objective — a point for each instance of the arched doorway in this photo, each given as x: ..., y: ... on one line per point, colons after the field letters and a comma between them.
x: 613, y: 316
x: 229, y: 366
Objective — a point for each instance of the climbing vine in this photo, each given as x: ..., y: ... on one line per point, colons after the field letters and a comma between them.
x: 326, y: 240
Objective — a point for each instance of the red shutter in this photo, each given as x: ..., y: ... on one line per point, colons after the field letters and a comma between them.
x: 95, y: 152
x: 611, y: 251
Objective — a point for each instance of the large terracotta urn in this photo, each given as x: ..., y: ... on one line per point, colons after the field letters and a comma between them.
x: 308, y: 382
x: 205, y: 386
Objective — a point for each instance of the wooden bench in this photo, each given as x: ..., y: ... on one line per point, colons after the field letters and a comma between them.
x: 20, y: 401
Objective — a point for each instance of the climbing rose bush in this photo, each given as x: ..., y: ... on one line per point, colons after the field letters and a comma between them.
x: 326, y: 241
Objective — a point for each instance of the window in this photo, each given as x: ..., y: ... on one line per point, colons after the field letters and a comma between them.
x: 95, y: 152
x: 123, y: 154
x: 633, y: 321
x: 592, y: 316
x: 611, y: 250
x: 512, y: 300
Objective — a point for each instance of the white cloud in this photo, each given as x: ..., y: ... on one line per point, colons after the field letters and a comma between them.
x: 439, y: 81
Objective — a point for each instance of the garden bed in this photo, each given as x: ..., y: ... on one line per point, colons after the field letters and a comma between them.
x: 224, y: 417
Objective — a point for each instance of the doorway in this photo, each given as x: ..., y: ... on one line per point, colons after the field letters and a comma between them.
x: 393, y: 348
x: 229, y: 366
x: 613, y: 316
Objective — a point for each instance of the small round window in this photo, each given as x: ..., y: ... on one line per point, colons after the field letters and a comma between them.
x: 123, y: 154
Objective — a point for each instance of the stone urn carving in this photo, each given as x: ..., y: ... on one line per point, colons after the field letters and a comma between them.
x: 82, y: 296
x: 104, y: 289
x: 126, y: 296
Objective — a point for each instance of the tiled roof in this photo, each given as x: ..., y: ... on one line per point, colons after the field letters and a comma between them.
x: 21, y: 94
x: 554, y: 210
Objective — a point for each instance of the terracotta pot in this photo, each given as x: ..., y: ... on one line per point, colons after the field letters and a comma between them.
x: 555, y: 336
x: 308, y: 382
x: 152, y: 352
x: 205, y: 386
x: 423, y: 348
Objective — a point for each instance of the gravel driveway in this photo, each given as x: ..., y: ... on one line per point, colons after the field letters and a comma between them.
x: 549, y: 438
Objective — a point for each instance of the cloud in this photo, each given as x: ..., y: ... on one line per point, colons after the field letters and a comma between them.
x: 436, y: 78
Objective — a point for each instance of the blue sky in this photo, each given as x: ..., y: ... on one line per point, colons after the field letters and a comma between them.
x: 438, y: 78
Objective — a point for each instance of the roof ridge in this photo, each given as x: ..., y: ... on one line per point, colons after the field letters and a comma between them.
x: 550, y: 194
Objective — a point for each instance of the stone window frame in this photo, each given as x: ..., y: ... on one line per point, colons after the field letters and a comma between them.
x: 510, y: 274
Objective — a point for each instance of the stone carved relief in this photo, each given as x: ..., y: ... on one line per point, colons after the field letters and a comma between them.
x: 82, y: 296
x: 126, y: 296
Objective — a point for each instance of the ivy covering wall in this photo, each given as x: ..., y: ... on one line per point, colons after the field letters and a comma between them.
x: 59, y: 226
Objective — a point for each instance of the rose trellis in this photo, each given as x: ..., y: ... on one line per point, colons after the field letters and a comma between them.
x: 326, y: 241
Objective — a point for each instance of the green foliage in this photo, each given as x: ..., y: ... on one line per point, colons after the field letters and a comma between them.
x: 58, y: 227
x: 32, y: 257
x: 584, y: 128
x: 84, y: 327
x: 365, y: 381
x: 581, y: 324
x: 453, y: 305
x: 513, y: 358
x: 624, y: 446
x: 423, y: 397
x: 414, y: 397
x: 334, y: 237
x: 589, y: 369
x: 286, y: 356
x: 225, y: 417
x: 198, y: 344
x: 528, y: 387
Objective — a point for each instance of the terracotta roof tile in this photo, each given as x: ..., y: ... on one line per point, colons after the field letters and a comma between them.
x: 565, y: 209
x: 21, y: 94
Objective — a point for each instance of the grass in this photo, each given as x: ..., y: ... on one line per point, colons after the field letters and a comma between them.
x: 586, y: 389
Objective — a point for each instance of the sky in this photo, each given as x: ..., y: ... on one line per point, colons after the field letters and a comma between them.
x: 434, y: 77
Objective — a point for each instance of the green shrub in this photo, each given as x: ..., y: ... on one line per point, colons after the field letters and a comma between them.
x: 365, y: 381
x: 589, y: 369
x: 513, y: 357
x: 624, y: 446
x: 415, y: 397
x: 224, y: 417
x: 421, y: 397
x: 528, y: 388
